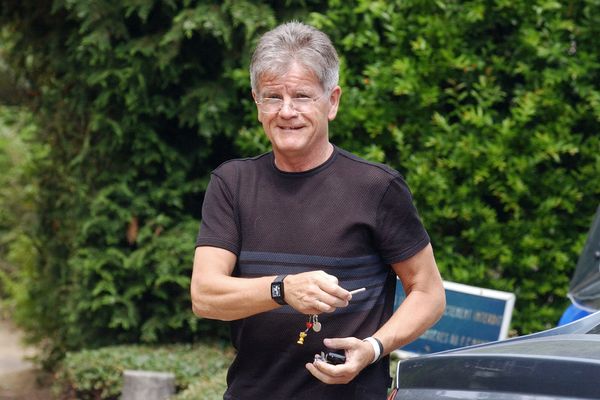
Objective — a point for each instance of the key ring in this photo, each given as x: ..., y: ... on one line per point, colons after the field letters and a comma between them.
x: 312, y: 323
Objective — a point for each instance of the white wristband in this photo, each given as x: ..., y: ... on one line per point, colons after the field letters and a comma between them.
x: 376, y: 348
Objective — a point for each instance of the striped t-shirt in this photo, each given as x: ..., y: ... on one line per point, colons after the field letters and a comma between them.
x: 348, y: 217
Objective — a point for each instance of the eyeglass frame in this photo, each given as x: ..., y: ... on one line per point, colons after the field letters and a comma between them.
x: 311, y: 102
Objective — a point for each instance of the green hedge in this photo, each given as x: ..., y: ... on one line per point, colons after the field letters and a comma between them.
x: 136, y: 103
x: 98, y: 374
x: 17, y: 200
x: 489, y: 108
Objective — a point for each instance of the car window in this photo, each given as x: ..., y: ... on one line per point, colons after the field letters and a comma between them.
x: 595, y: 330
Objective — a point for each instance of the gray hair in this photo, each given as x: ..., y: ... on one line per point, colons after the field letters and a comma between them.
x: 295, y: 42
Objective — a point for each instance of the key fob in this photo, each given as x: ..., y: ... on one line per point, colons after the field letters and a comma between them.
x: 334, y: 358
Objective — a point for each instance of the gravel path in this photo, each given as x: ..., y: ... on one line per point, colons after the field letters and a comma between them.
x: 18, y: 377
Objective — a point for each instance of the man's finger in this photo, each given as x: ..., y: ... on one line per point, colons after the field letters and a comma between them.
x: 311, y: 367
x: 333, y: 289
x: 339, y: 343
x: 330, y: 374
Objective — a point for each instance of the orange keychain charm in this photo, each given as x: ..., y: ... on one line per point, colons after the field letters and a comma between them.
x: 301, y: 338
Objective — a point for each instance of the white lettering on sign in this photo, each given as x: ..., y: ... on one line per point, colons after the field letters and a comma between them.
x: 487, y: 318
x: 458, y: 312
x: 442, y: 337
x: 478, y: 316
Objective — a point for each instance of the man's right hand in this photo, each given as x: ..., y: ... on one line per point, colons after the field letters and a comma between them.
x: 315, y: 292
x: 218, y: 295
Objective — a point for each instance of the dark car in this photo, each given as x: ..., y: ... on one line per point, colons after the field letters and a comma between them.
x: 557, y: 364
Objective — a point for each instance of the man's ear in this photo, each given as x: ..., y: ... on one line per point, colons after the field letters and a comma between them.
x: 334, y: 102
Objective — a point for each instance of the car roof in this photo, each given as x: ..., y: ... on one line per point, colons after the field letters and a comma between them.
x: 563, y: 362
x: 574, y: 346
x: 558, y: 367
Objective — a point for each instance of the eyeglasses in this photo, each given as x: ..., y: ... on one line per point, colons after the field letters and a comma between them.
x: 272, y: 105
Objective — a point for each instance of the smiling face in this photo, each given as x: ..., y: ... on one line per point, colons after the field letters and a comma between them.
x: 300, y: 141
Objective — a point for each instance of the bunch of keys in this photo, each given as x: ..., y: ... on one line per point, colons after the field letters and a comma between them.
x: 312, y: 323
x: 331, y: 357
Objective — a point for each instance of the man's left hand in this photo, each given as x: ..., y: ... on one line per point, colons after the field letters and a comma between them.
x: 359, y: 354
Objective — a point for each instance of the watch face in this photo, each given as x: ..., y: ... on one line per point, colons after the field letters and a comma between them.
x: 276, y: 290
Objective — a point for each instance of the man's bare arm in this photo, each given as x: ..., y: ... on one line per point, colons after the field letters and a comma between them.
x: 217, y: 295
x: 424, y: 303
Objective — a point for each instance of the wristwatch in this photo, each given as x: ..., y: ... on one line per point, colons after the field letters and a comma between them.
x: 277, y: 292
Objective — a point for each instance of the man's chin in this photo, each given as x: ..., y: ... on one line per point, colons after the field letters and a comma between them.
x: 290, y: 145
x: 290, y: 153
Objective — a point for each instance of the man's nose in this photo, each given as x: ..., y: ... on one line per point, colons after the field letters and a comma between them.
x: 287, y: 109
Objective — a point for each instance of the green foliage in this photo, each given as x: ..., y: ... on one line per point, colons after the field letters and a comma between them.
x: 135, y: 100
x: 206, y: 387
x: 490, y: 110
x: 98, y: 374
x: 17, y: 194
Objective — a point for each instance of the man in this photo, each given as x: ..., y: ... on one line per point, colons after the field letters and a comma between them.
x: 286, y: 236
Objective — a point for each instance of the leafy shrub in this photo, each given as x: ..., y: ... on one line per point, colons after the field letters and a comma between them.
x: 18, y: 186
x: 98, y: 374
x: 136, y: 101
x: 491, y: 110
x: 205, y: 387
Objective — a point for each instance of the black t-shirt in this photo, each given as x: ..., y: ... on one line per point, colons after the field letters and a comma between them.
x: 348, y: 217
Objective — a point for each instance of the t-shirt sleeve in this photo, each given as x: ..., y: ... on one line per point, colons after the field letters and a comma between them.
x: 219, y: 226
x: 400, y: 233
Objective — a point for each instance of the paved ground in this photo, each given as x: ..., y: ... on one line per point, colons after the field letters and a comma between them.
x: 18, y: 376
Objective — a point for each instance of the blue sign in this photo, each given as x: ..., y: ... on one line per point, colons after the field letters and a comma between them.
x: 473, y: 315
